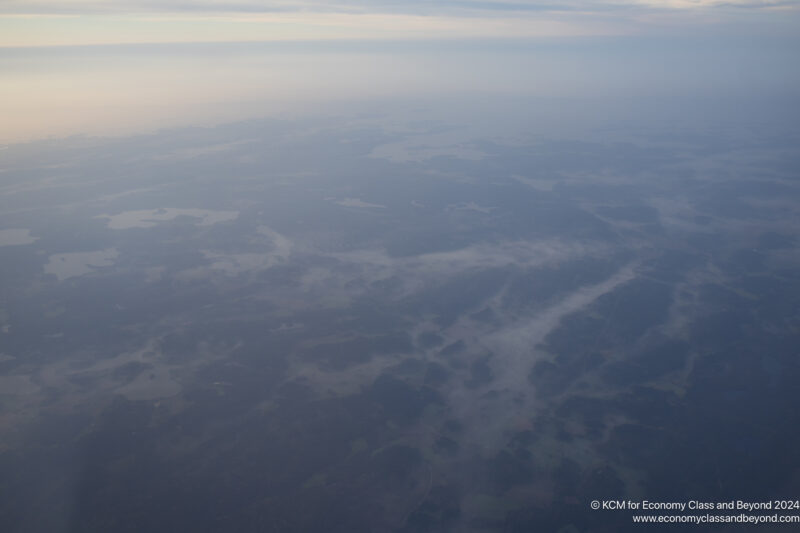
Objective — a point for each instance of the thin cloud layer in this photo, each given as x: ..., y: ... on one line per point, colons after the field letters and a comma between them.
x: 416, y: 7
x: 90, y: 22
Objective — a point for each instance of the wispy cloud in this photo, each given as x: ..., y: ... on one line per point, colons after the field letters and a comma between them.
x: 419, y: 7
x: 83, y: 22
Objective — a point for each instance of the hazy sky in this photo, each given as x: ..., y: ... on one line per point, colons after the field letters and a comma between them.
x: 52, y: 22
x: 60, y: 74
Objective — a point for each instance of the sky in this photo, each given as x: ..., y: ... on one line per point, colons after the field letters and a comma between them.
x: 92, y: 67
x: 45, y: 23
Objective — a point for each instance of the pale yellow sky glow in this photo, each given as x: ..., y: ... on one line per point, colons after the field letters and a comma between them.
x: 45, y: 30
x: 54, y: 22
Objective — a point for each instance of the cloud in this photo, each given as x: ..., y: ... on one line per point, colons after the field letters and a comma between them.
x: 71, y: 265
x: 15, y: 237
x: 148, y: 218
x: 415, y: 7
x: 356, y: 202
x: 362, y: 268
x: 488, y: 417
x: 88, y: 22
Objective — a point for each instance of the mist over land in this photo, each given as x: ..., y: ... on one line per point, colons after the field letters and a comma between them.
x: 412, y: 284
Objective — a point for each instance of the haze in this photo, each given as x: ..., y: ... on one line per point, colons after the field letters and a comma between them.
x: 465, y: 266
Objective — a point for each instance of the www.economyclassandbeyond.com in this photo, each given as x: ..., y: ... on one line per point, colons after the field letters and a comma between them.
x: 727, y: 512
